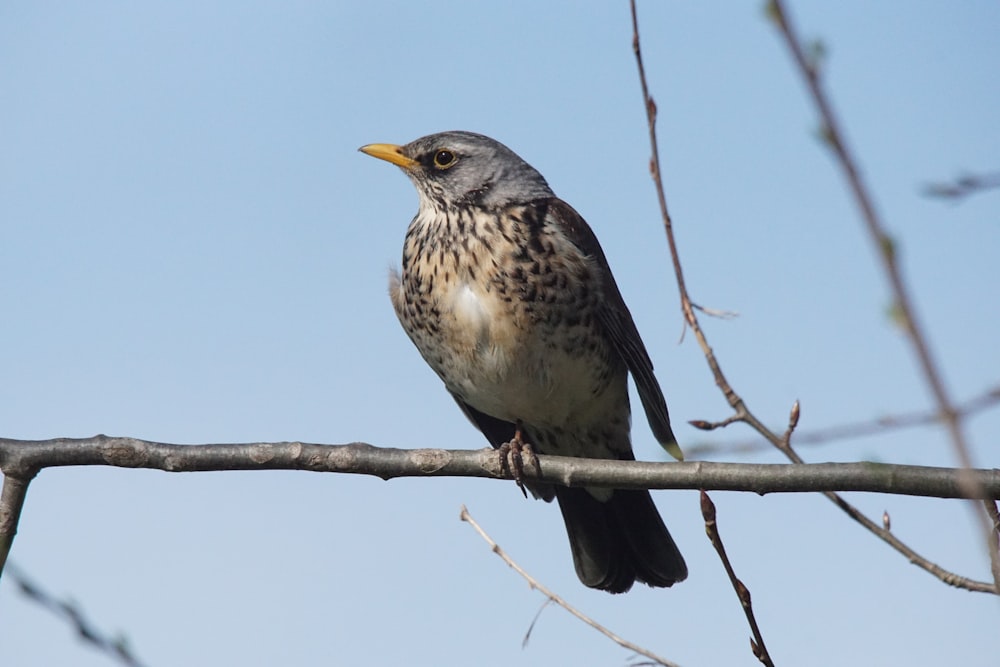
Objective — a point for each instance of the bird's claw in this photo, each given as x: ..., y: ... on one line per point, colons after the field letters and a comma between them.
x: 512, y: 456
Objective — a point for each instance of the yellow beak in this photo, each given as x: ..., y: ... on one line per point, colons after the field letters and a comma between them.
x: 390, y: 153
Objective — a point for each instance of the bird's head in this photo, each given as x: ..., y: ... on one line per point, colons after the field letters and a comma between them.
x: 454, y: 169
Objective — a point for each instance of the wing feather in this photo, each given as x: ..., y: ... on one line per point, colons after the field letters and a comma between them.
x: 619, y: 326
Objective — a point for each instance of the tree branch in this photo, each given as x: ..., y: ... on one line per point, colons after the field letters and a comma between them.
x: 885, y: 247
x: 18, y: 457
x: 22, y: 459
x: 15, y: 489
x: 740, y: 410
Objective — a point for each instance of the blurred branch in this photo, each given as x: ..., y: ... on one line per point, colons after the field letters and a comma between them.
x: 809, y: 69
x: 736, y: 402
x: 962, y: 187
x: 116, y: 647
x: 994, y: 537
x: 877, y: 426
x: 465, y: 516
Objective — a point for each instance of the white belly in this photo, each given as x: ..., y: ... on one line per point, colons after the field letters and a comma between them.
x: 504, y: 369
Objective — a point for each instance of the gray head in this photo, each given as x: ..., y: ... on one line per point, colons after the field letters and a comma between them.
x: 457, y: 168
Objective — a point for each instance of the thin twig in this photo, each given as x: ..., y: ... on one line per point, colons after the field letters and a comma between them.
x: 793, y: 421
x: 465, y: 516
x: 994, y: 537
x: 742, y: 592
x: 116, y: 647
x: 711, y: 426
x: 742, y: 413
x: 531, y: 626
x: 877, y: 426
x: 885, y: 247
x: 715, y: 312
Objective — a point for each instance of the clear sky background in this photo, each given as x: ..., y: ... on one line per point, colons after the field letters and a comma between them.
x: 192, y: 250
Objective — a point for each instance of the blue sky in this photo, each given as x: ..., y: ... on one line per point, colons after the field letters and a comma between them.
x: 192, y: 250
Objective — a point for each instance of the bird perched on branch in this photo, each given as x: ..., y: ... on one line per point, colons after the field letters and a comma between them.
x: 507, y: 294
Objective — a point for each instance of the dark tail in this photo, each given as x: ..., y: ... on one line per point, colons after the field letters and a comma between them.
x: 619, y: 541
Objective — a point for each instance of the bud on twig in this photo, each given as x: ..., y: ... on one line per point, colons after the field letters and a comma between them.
x: 707, y: 508
x: 793, y: 417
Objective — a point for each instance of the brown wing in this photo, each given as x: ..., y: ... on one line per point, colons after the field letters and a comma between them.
x: 618, y: 324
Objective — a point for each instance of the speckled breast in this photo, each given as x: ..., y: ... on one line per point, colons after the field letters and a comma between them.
x: 502, y: 307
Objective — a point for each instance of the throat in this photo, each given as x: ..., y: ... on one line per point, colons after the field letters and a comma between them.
x: 455, y: 261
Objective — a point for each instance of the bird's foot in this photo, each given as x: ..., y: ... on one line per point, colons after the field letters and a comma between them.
x: 512, y: 456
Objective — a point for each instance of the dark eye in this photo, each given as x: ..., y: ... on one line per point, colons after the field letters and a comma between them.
x: 444, y: 159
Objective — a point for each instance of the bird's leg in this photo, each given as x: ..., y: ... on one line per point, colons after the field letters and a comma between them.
x: 512, y: 455
x: 528, y: 449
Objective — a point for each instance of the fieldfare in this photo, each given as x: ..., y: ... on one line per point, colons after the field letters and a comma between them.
x: 507, y: 294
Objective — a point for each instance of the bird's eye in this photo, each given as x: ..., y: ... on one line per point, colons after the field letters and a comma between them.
x: 444, y: 159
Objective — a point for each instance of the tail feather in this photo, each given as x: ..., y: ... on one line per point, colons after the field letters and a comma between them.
x: 619, y: 541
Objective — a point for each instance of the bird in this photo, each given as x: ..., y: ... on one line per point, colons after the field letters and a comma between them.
x: 508, y: 296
